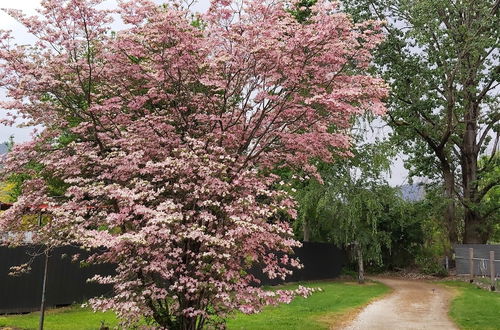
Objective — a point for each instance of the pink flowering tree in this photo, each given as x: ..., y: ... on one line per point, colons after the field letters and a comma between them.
x: 159, y: 141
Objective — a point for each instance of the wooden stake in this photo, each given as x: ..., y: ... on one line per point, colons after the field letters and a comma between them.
x: 44, y: 285
x: 492, y: 270
x: 471, y: 264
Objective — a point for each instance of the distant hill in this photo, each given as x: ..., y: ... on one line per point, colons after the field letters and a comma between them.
x: 412, y: 192
x: 3, y: 148
x: 4, y: 197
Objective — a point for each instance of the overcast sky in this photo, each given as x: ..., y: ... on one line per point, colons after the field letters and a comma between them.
x: 399, y: 174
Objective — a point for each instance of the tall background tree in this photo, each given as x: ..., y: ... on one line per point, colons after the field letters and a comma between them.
x: 441, y: 58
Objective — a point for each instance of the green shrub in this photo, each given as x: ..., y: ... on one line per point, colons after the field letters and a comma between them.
x: 430, y: 265
x: 348, y: 272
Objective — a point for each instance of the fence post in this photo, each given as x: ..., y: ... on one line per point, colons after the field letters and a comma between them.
x: 492, y: 270
x: 471, y: 264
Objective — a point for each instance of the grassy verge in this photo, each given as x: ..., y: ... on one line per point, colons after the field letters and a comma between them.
x: 474, y: 308
x: 320, y: 311
x: 73, y: 317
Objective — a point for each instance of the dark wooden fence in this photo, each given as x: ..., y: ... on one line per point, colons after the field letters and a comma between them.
x: 67, y: 281
x: 321, y: 261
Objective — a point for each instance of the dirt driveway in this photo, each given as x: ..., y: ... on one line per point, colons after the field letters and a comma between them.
x: 412, y: 305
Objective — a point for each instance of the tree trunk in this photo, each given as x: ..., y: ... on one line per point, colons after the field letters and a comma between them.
x: 361, y: 269
x: 449, y: 214
x: 475, y: 233
x: 474, y: 224
x: 306, y: 230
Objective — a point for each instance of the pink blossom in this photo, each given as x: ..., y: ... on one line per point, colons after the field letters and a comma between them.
x: 161, y: 137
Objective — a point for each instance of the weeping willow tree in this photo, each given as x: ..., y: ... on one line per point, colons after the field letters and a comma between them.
x: 356, y: 214
x: 353, y: 205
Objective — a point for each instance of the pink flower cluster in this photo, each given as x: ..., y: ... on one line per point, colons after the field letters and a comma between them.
x: 162, y: 137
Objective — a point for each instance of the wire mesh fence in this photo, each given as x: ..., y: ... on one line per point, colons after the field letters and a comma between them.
x: 478, y: 261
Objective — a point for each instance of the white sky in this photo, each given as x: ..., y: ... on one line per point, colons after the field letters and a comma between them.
x: 399, y: 174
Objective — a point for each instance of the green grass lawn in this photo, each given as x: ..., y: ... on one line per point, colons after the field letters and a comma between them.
x: 74, y: 317
x: 474, y: 308
x: 315, y: 312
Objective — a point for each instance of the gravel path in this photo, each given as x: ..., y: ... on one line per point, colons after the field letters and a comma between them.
x: 413, y: 304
